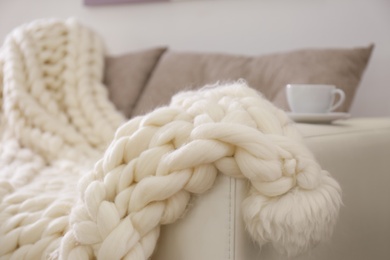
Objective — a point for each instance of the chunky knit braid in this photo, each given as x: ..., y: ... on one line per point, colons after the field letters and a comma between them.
x: 146, y: 176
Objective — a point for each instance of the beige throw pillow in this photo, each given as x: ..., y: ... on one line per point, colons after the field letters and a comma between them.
x: 269, y: 73
x: 126, y: 76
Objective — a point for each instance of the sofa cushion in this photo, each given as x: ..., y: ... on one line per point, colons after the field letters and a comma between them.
x: 269, y: 73
x: 126, y: 76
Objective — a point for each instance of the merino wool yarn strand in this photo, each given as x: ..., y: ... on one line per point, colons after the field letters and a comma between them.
x: 59, y: 132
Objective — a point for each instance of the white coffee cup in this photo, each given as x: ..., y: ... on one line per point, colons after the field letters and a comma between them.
x: 313, y: 98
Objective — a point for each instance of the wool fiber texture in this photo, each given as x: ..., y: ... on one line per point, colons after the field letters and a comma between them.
x: 79, y: 182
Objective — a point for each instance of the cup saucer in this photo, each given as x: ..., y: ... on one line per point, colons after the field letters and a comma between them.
x: 317, y: 118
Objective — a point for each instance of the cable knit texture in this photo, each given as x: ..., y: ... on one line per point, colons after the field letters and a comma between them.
x: 59, y: 132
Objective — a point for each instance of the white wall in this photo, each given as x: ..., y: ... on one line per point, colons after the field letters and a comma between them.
x: 236, y: 26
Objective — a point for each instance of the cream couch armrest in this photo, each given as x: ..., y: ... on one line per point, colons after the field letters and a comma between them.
x: 356, y: 152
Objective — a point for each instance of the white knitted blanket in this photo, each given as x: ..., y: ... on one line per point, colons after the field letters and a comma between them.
x: 66, y: 194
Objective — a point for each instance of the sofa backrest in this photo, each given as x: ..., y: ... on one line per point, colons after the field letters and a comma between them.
x: 138, y: 85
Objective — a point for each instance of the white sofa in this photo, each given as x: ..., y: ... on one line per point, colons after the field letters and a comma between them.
x: 355, y: 151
